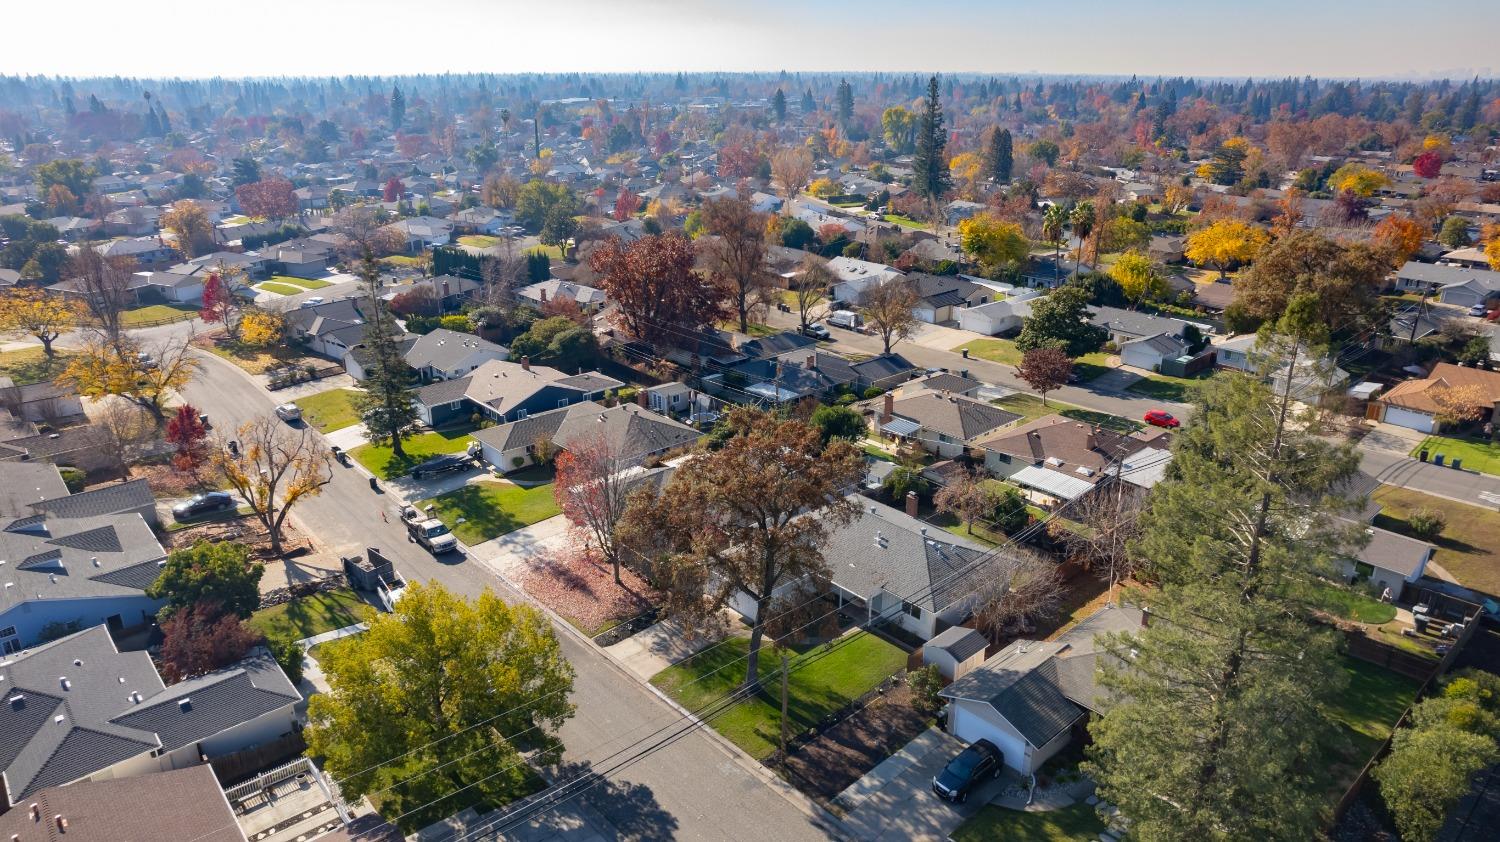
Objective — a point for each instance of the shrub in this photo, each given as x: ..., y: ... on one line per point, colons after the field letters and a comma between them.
x: 517, y: 461
x: 1427, y: 523
x: 925, y: 685
x: 288, y: 655
x: 873, y: 392
x: 73, y: 478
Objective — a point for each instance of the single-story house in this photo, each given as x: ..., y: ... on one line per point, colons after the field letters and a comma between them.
x: 79, y: 710
x: 588, y: 299
x: 1458, y: 285
x: 1388, y: 561
x: 631, y: 432
x: 1128, y: 325
x: 942, y: 297
x: 253, y: 264
x: 448, y: 354
x: 508, y: 391
x: 1469, y: 257
x: 1032, y: 697
x: 958, y: 210
x: 301, y: 258
x: 330, y: 329
x: 481, y: 220
x: 185, y: 804
x: 420, y: 233
x: 148, y: 251
x: 45, y: 401
x: 1148, y: 352
x: 1410, y: 404
x: 855, y: 276
x: 449, y: 290
x: 996, y: 317
x: 945, y: 424
x: 809, y: 373
x: 1058, y: 459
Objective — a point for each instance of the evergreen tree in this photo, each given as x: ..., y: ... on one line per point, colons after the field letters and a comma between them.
x: 1221, y: 724
x: 1001, y: 155
x: 930, y: 170
x: 166, y: 122
x: 1061, y: 320
x: 388, y: 405
x: 246, y: 171
x: 808, y: 104
x: 778, y: 105
x: 398, y: 107
x: 846, y: 102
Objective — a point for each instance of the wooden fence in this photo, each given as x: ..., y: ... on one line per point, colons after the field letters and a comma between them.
x: 242, y: 764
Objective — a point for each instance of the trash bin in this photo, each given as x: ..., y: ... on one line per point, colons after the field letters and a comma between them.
x: 374, y: 484
x: 1456, y: 463
x: 1422, y: 455
x: 966, y: 353
x: 1420, y: 623
x: 1437, y: 459
x: 234, y: 448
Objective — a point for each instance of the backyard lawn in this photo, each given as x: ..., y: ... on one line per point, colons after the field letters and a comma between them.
x: 994, y: 824
x: 1469, y: 547
x: 380, y: 461
x: 1350, y: 604
x: 29, y: 365
x: 330, y: 410
x: 554, y: 252
x: 1368, y: 710
x: 825, y: 682
x: 157, y: 314
x: 1030, y: 408
x: 279, y: 289
x: 491, y: 509
x: 1478, y: 454
x: 309, y: 615
x: 478, y: 241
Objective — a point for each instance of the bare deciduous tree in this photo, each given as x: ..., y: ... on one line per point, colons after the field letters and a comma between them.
x: 104, y: 284
x: 887, y: 308
x: 1111, y: 520
x: 790, y: 169
x: 273, y: 468
x: 1016, y: 589
x: 810, y: 286
x: 124, y: 430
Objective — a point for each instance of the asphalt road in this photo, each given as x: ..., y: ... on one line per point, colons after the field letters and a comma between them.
x: 692, y: 789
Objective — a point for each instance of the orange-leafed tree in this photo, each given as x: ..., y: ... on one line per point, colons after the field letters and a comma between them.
x: 274, y: 468
x: 626, y: 204
x: 269, y: 198
x: 657, y: 293
x: 1400, y: 236
x: 591, y: 490
x: 219, y: 305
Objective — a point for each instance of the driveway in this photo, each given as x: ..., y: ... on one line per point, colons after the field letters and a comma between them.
x: 895, y: 801
x: 510, y: 555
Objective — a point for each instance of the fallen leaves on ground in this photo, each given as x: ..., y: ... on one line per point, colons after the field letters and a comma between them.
x: 580, y: 585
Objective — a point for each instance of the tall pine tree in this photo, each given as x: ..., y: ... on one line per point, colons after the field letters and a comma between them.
x: 930, y: 171
x: 1221, y: 725
x: 846, y: 102
x: 388, y: 405
x: 809, y: 105
x: 778, y: 105
x: 1001, y: 155
x: 398, y: 108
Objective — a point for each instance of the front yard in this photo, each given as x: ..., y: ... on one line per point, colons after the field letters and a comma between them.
x: 29, y: 365
x: 1164, y: 387
x: 1030, y: 408
x: 1478, y: 454
x: 478, y: 241
x: 1087, y: 367
x: 309, y: 615
x: 491, y: 509
x: 278, y: 289
x: 153, y: 314
x: 330, y: 410
x: 379, y: 459
x: 304, y: 283
x: 1469, y: 547
x: 993, y: 824
x: 251, y: 359
x: 820, y: 683
x: 580, y: 586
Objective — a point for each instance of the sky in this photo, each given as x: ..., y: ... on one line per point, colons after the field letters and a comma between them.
x: 1204, y: 38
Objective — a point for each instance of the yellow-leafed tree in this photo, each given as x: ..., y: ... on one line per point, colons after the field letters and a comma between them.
x: 968, y: 171
x: 145, y: 379
x: 1138, y: 277
x: 993, y: 242
x: 189, y: 222
x: 43, y: 315
x: 260, y: 328
x: 1224, y: 243
x: 1357, y: 179
x: 273, y: 468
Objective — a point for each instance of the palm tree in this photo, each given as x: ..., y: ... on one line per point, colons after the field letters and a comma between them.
x: 1082, y: 221
x: 1054, y: 222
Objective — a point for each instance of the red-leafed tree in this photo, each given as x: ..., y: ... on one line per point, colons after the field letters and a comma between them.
x: 1045, y: 369
x: 393, y: 190
x: 591, y: 492
x: 201, y: 638
x: 219, y: 305
x: 422, y: 301
x: 185, y: 432
x: 626, y: 204
x: 271, y: 198
x: 658, y: 294
x: 1428, y: 164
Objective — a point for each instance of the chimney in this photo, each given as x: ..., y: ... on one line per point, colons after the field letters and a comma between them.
x: 812, y: 362
x: 1093, y: 438
x: 911, y: 504
x: 526, y: 363
x: 1145, y: 617
x: 640, y: 398
x: 62, y: 823
x: 889, y: 411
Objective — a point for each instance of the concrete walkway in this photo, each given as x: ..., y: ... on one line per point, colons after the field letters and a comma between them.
x: 653, y: 649
x: 346, y: 631
x: 511, y: 554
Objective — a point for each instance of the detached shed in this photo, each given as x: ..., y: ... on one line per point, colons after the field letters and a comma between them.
x: 955, y: 651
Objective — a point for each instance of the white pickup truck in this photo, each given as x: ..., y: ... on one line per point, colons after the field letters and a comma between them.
x: 428, y: 531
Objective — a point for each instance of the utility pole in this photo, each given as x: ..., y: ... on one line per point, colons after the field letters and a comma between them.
x: 783, y: 708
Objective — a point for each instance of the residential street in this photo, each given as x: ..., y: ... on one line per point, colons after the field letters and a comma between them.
x: 693, y: 789
x: 1382, y: 461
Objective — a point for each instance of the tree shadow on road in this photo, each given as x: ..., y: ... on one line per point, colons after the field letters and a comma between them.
x: 630, y: 807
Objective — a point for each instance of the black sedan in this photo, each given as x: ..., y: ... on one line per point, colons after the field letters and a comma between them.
x: 212, y: 501
x: 980, y: 762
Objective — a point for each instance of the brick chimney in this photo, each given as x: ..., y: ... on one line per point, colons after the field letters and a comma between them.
x: 640, y: 398
x: 1093, y: 438
x: 812, y: 362
x: 543, y: 291
x: 911, y: 504
x: 526, y: 363
x: 889, y: 410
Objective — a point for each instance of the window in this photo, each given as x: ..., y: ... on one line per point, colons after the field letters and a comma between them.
x: 520, y: 413
x: 11, y: 645
x: 1003, y: 458
x: 911, y: 610
x: 562, y: 403
x: 8, y: 631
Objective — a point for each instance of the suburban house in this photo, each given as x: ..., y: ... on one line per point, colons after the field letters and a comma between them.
x: 1128, y: 325
x: 855, y: 276
x: 301, y: 258
x: 181, y: 804
x: 630, y: 432
x: 1057, y: 459
x: 1167, y: 248
x: 1032, y: 697
x: 588, y: 299
x: 996, y: 317
x: 808, y: 372
x: 942, y: 297
x: 945, y: 424
x: 1458, y: 285
x: 78, y: 709
x: 448, y: 354
x: 887, y: 563
x: 1149, y: 352
x: 148, y: 251
x: 1388, y: 561
x: 1410, y: 404
x: 481, y: 220
x: 329, y: 329
x: 508, y: 391
x: 420, y: 233
x: 45, y: 401
x: 449, y: 291
x: 1311, y: 379
x: 958, y: 210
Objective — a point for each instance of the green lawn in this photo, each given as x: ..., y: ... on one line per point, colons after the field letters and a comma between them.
x: 279, y: 289
x: 751, y: 328
x: 479, y: 241
x: 380, y: 461
x: 1164, y: 387
x: 29, y: 365
x: 1478, y: 454
x: 310, y: 615
x: 1087, y: 367
x: 157, y: 313
x: 1369, y: 707
x: 905, y: 221
x: 491, y: 509
x: 997, y: 824
x: 1350, y: 604
x: 330, y: 410
x: 554, y: 252
x: 1469, y: 546
x: 305, y: 283
x: 1030, y: 408
x: 825, y: 682
x: 405, y: 260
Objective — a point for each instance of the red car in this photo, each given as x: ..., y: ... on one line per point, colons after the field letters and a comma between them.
x: 1160, y: 418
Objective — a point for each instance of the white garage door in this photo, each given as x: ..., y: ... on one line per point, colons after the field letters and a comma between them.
x: 1406, y: 418
x: 969, y: 726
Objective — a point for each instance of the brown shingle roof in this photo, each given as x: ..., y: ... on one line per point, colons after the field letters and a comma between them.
x: 1417, y: 394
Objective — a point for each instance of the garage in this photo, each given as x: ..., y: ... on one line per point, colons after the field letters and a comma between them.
x: 1419, y: 421
x: 970, y: 725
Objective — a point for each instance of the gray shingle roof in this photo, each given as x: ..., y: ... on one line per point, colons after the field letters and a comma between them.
x: 24, y: 483
x: 960, y: 642
x: 883, y: 548
x: 632, y: 432
x: 215, y: 702
x: 444, y: 349
x: 113, y: 555
x: 105, y: 500
x: 954, y: 415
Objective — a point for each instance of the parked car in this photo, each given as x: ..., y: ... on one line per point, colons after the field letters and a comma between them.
x: 442, y: 465
x: 816, y: 331
x: 312, y: 301
x: 146, y: 361
x: 428, y: 531
x: 212, y: 501
x: 1480, y: 310
x: 289, y: 412
x: 847, y: 319
x: 980, y: 762
x: 1161, y: 418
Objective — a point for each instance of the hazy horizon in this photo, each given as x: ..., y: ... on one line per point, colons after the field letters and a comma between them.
x: 1272, y: 39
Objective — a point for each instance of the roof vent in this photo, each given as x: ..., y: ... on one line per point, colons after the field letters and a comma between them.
x: 185, y: 704
x: 52, y: 577
x: 77, y: 662
x: 1054, y: 461
x: 59, y: 719
x: 95, y: 560
x: 135, y: 697
x: 36, y: 812
x: 17, y: 702
x: 66, y: 684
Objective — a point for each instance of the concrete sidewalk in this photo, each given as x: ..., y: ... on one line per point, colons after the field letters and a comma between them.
x: 653, y: 649
x: 511, y: 554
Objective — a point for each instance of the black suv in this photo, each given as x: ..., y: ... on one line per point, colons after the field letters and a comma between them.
x: 979, y: 762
